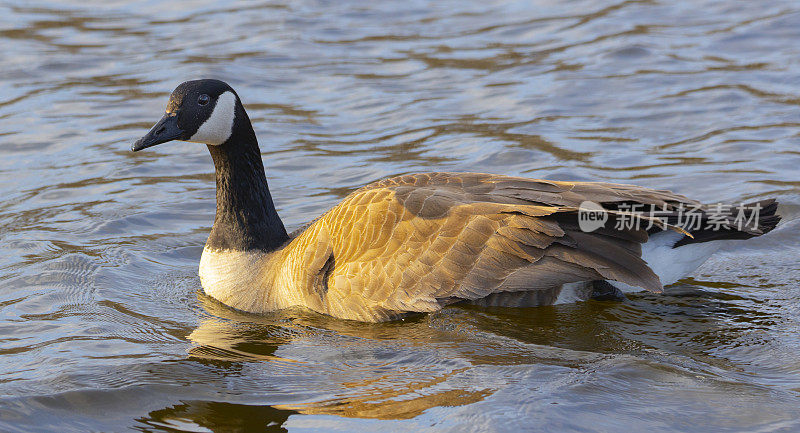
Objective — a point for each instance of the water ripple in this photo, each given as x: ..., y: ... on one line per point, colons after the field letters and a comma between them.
x: 102, y: 326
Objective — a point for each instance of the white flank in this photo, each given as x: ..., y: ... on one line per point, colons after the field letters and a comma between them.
x: 671, y: 264
x: 219, y: 126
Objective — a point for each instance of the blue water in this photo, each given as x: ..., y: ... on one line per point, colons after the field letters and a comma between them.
x: 103, y: 326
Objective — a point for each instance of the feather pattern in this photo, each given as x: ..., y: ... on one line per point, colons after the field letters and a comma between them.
x: 417, y: 242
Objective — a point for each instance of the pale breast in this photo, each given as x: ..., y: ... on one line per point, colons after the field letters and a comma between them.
x: 235, y: 278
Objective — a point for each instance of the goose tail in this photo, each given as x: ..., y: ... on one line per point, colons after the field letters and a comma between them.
x: 731, y: 222
x: 672, y: 255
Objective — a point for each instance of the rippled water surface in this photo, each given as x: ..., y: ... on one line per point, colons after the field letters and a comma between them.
x: 103, y: 327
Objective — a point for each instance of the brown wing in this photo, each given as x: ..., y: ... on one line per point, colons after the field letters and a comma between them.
x: 415, y: 242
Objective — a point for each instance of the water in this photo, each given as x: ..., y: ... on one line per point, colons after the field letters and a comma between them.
x: 103, y: 327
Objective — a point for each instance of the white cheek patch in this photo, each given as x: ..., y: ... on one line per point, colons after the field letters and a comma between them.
x: 218, y: 127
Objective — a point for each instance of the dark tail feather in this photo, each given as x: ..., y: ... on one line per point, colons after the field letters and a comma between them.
x: 740, y: 222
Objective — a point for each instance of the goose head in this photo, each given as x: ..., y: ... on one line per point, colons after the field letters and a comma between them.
x: 210, y: 112
x: 201, y: 111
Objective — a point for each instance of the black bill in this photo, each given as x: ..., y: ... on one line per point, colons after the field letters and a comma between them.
x: 165, y: 130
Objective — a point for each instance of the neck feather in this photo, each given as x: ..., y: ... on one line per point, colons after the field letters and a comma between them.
x: 246, y: 218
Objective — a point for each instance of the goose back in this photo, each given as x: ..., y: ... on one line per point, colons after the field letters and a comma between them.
x: 418, y: 242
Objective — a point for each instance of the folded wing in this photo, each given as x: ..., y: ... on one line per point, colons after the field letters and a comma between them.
x: 417, y: 242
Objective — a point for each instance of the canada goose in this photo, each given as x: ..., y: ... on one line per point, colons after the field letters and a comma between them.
x: 418, y: 242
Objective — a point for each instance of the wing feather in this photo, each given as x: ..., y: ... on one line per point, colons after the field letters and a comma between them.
x: 417, y: 242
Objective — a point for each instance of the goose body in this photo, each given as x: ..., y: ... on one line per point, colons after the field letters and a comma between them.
x: 418, y: 242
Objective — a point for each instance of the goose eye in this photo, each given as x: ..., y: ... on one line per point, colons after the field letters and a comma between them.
x: 203, y: 99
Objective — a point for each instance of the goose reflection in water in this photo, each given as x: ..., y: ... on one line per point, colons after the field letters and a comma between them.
x: 302, y: 362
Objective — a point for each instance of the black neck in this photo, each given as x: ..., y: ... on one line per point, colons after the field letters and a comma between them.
x: 246, y: 217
